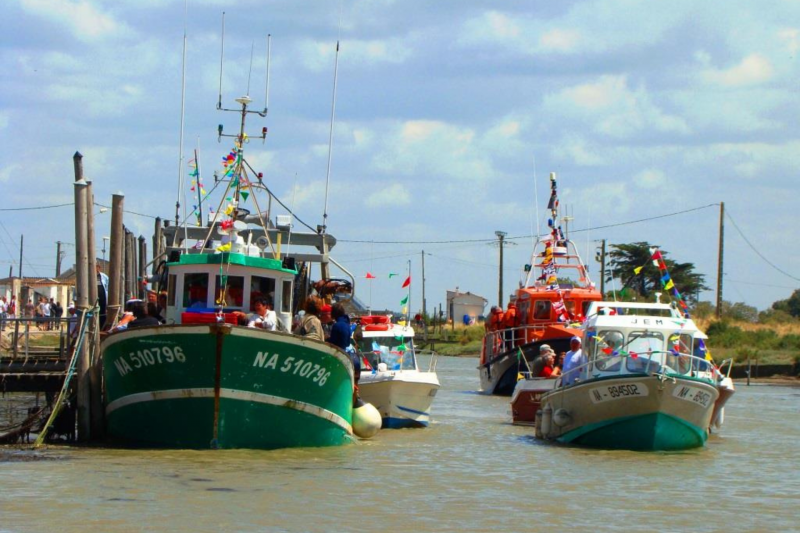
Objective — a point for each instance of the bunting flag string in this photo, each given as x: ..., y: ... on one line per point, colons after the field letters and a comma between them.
x: 369, y: 276
x: 406, y: 283
x: 669, y: 286
x: 404, y: 301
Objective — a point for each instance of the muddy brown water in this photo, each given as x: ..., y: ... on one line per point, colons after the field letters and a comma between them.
x: 470, y: 471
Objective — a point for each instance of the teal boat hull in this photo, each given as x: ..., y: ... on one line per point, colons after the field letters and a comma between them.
x: 649, y: 432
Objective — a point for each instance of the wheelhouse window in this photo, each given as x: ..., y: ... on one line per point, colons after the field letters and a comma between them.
x: 397, y: 354
x: 195, y: 289
x: 606, y: 350
x: 229, y: 291
x: 286, y: 297
x: 261, y: 287
x: 541, y: 309
x: 648, y: 347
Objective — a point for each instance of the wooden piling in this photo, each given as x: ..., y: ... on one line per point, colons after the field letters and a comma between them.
x: 141, y: 278
x: 96, y: 414
x: 115, y: 289
x: 82, y: 295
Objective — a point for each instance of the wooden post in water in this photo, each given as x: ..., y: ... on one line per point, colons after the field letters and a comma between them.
x: 141, y: 279
x: 97, y: 421
x: 82, y: 295
x: 115, y: 289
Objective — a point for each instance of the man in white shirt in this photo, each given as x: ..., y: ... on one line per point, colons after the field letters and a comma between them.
x: 574, y: 359
x: 264, y: 317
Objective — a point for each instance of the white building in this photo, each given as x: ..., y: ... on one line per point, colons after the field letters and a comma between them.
x: 465, y: 304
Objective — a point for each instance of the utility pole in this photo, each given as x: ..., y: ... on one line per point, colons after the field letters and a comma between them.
x: 501, y: 235
x: 58, y: 258
x: 424, y: 312
x: 719, y: 259
x: 603, y: 267
x: 21, y: 237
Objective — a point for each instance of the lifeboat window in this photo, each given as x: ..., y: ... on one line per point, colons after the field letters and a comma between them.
x: 171, y: 280
x: 229, y: 291
x: 195, y: 289
x: 261, y: 287
x: 541, y: 309
x: 570, y: 305
x: 286, y: 297
x: 397, y: 354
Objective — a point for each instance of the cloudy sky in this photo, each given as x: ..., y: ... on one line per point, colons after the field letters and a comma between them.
x: 450, y: 115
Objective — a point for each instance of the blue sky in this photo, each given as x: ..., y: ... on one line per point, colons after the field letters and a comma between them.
x: 450, y: 115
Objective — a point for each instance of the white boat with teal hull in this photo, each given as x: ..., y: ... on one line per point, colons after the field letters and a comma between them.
x: 641, y: 387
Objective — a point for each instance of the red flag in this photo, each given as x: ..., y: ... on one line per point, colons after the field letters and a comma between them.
x: 369, y: 276
x: 406, y: 283
x: 656, y: 255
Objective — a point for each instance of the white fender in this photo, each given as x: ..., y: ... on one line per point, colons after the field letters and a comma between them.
x: 366, y: 421
x: 561, y: 417
x: 547, y: 420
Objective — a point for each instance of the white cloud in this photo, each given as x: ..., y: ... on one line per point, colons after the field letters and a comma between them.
x: 752, y: 70
x: 791, y: 36
x: 560, y: 40
x: 392, y: 195
x: 615, y: 110
x: 84, y: 20
x: 574, y: 149
x: 650, y: 179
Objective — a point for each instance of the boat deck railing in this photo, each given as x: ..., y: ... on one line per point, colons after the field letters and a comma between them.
x: 503, y: 340
x: 666, y: 363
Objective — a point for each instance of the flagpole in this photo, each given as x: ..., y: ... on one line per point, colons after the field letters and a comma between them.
x: 408, y: 303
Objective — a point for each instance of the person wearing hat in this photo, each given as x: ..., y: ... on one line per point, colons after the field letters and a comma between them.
x: 327, y: 320
x: 541, y: 360
x: 573, y: 362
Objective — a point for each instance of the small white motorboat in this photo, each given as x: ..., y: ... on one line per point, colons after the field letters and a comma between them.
x: 390, y: 377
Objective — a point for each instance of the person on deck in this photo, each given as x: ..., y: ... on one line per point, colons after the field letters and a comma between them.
x: 541, y: 360
x: 327, y: 321
x: 573, y: 362
x: 311, y: 326
x: 264, y: 317
x: 141, y: 318
x: 549, y: 370
x: 510, y: 321
x: 102, y: 293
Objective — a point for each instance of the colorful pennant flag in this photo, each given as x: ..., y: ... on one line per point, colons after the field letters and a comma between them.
x: 369, y: 276
x: 404, y: 301
x: 406, y: 283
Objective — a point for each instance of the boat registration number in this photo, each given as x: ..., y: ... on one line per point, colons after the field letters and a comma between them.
x: 291, y: 365
x: 617, y: 392
x: 156, y: 355
x: 692, y: 394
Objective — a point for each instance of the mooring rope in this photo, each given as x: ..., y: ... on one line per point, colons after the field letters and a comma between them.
x: 70, y: 372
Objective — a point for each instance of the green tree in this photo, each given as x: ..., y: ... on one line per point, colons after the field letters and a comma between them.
x: 791, y: 305
x: 625, y: 258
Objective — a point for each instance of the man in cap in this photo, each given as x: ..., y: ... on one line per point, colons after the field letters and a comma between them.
x: 574, y: 359
x: 541, y: 360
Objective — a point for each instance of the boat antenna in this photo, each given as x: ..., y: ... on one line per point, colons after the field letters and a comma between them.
x: 536, y: 201
x: 181, y: 189
x: 266, y: 88
x: 250, y: 72
x: 221, y: 55
x: 330, y: 137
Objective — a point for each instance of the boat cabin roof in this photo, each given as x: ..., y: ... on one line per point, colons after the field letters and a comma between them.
x: 635, y: 315
x: 229, y: 258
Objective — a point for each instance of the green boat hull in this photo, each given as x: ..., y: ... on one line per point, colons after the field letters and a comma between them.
x: 221, y: 386
x: 650, y: 432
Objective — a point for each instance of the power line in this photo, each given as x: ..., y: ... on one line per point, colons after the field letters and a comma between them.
x: 35, y: 208
x: 529, y: 236
x: 770, y: 263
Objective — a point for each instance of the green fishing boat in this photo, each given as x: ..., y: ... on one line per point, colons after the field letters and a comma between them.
x: 215, y: 376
